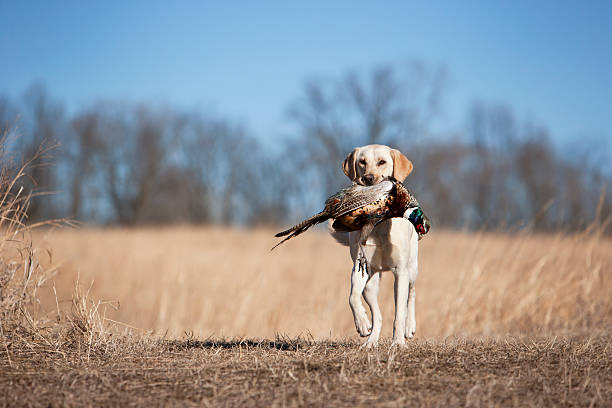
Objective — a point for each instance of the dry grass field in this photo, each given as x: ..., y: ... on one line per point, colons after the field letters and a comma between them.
x: 225, y: 282
x: 209, y: 317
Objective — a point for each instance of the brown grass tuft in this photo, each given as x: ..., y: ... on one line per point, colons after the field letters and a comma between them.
x: 24, y: 321
x: 20, y: 272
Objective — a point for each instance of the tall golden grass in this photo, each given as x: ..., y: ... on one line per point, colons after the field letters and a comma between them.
x: 213, y: 281
x: 20, y: 273
x: 24, y: 280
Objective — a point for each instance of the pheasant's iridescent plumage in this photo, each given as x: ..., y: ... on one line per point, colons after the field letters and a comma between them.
x: 362, y: 207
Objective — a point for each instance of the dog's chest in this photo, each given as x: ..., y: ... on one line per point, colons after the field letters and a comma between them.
x: 389, y: 245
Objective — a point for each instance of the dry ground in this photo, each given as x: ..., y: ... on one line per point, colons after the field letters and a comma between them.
x: 521, y: 320
x: 519, y: 372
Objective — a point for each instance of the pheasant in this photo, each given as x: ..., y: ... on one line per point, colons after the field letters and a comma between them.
x: 362, y: 207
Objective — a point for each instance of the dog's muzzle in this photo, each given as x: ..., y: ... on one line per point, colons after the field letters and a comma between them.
x: 368, y: 179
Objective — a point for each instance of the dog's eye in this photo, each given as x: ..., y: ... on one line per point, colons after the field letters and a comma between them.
x: 381, y: 162
x: 362, y: 162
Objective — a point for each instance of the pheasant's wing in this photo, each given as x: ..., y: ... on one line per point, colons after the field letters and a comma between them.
x: 357, y: 196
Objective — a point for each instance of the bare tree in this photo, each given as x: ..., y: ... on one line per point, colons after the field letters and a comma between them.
x: 389, y: 104
x: 129, y: 148
x: 128, y: 164
x: 81, y: 151
x: 493, y: 181
x: 41, y: 128
x: 536, y: 164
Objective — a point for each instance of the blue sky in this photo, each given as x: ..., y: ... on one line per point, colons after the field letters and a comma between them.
x: 549, y: 60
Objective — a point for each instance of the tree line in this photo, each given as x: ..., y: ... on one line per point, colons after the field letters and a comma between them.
x: 131, y: 164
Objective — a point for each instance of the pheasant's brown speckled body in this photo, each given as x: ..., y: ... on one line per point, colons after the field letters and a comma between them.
x: 358, y: 206
x: 392, y: 203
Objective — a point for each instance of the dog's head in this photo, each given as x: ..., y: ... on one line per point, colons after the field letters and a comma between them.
x: 369, y: 165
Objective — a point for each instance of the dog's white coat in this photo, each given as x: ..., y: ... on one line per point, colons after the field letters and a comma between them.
x: 392, y: 246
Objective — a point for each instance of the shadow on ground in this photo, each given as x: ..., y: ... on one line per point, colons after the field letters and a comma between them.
x: 278, y: 344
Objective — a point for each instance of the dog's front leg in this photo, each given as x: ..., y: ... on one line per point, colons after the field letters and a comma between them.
x: 400, y: 290
x: 358, y: 281
x: 411, y: 318
x: 371, y: 296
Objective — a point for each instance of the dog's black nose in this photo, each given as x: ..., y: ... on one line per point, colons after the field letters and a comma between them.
x: 368, y: 179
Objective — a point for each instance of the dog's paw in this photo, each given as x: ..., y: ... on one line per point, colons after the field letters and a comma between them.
x: 365, y: 330
x: 411, y: 331
x: 369, y: 344
x: 363, y: 326
x: 401, y: 342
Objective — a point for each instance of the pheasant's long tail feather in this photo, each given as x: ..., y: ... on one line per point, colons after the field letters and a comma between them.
x: 301, y: 227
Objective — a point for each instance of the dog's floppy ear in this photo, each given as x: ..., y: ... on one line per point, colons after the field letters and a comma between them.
x: 402, y: 167
x: 349, y: 164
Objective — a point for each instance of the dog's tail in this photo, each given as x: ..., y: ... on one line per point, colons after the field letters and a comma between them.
x: 341, y: 237
x: 301, y: 227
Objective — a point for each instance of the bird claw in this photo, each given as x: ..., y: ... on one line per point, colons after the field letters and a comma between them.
x: 362, y: 261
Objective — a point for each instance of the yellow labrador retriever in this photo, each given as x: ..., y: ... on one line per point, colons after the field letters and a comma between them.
x: 392, y: 246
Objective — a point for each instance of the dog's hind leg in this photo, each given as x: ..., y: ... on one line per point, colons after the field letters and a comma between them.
x: 371, y: 296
